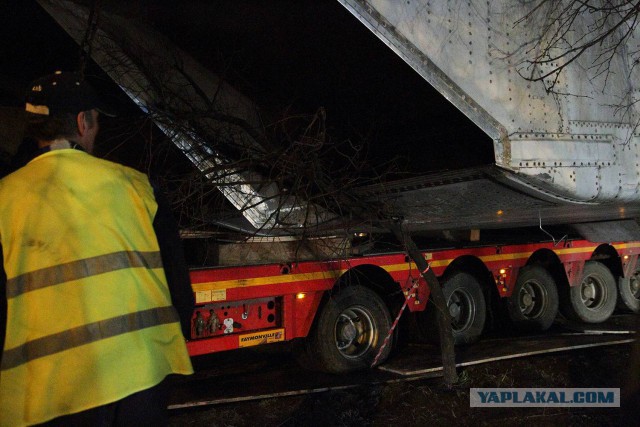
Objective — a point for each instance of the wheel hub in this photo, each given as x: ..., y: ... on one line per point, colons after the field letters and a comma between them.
x: 348, y: 332
x: 588, y: 292
x: 454, y: 310
x: 461, y: 309
x: 593, y: 292
x: 533, y: 299
x: 355, y: 331
x: 635, y: 287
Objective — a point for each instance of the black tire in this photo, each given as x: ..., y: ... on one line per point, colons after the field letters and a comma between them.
x: 594, y: 298
x: 467, y: 309
x: 629, y: 293
x: 533, y: 304
x: 349, y: 331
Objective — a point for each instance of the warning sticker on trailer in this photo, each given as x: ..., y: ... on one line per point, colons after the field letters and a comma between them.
x: 258, y: 338
x: 213, y: 295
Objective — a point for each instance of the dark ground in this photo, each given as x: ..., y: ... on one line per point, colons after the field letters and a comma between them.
x: 429, y: 403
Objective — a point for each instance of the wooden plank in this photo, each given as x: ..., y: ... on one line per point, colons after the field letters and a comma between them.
x: 422, y: 364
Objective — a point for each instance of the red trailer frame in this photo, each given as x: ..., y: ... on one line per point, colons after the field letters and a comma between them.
x: 251, y: 305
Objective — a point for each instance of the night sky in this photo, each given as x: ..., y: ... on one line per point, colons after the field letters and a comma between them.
x: 308, y: 54
x: 32, y: 45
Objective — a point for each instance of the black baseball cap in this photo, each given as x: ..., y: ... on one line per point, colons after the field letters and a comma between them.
x: 63, y: 92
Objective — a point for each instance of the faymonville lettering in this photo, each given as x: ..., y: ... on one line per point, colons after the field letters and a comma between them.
x: 257, y: 337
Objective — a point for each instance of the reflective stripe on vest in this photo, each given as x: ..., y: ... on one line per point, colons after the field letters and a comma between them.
x: 86, y: 334
x: 80, y: 269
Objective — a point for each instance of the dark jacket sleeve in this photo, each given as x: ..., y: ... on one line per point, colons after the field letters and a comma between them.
x: 175, y: 266
x: 3, y: 303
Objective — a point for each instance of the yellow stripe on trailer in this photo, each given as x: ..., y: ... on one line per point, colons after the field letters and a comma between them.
x: 268, y: 280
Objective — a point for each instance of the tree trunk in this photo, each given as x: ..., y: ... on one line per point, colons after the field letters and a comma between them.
x: 444, y: 320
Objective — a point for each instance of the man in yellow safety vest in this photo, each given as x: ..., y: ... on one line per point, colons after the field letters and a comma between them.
x: 97, y: 291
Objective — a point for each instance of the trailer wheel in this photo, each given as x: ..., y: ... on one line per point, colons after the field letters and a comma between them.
x: 533, y: 305
x: 350, y: 331
x: 467, y: 310
x: 466, y: 307
x: 629, y: 293
x: 594, y: 299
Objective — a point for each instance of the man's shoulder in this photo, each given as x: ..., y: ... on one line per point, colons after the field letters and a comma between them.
x: 130, y: 172
x: 13, y: 176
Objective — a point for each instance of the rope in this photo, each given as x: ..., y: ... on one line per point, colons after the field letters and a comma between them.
x: 395, y: 323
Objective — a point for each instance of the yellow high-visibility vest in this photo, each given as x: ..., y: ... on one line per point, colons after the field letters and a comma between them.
x: 89, y: 317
